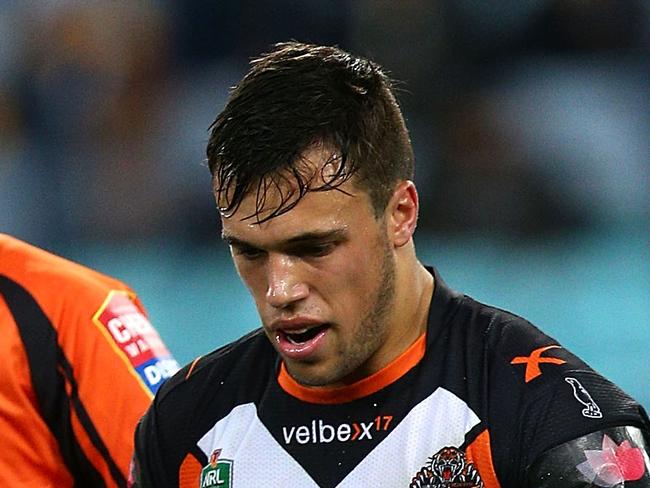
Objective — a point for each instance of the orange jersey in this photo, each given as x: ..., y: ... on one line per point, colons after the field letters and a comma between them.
x: 80, y: 364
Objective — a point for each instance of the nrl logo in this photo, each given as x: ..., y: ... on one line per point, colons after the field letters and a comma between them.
x: 448, y: 468
x: 217, y: 473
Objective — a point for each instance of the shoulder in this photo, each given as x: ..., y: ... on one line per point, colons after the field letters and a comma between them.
x: 556, y: 395
x: 532, y: 391
x: 200, y: 394
x: 504, y: 334
x: 528, y: 361
x: 39, y: 272
x: 227, y: 372
x: 539, y: 393
x: 206, y: 390
x: 501, y: 334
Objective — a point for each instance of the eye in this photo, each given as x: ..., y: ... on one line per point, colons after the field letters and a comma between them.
x: 314, y: 250
x: 249, y: 253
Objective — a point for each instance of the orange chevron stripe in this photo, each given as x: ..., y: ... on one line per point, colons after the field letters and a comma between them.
x: 189, y: 474
x: 479, y: 453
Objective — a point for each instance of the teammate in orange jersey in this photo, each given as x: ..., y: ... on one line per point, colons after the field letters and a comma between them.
x: 368, y: 371
x: 80, y: 364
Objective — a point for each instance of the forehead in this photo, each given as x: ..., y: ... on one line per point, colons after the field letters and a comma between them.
x: 320, y: 211
x: 320, y: 205
x: 276, y: 190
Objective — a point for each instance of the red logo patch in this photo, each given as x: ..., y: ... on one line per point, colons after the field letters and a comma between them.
x: 135, y: 339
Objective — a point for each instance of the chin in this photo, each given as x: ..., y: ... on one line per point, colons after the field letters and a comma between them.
x: 307, y: 376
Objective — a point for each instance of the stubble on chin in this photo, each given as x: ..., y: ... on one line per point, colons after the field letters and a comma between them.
x: 350, y: 363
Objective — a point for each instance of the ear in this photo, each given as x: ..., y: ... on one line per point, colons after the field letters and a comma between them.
x: 402, y: 215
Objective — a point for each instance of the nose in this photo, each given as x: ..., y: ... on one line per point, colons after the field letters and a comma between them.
x: 284, y: 285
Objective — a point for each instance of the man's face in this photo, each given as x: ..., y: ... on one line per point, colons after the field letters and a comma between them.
x: 322, y: 276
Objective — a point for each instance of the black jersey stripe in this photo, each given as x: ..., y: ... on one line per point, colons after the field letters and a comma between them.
x: 49, y: 371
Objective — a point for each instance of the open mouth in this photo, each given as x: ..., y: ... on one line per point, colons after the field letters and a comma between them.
x: 302, y: 336
x: 301, y: 343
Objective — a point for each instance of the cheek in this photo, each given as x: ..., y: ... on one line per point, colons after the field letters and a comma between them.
x: 353, y: 277
x: 253, y: 277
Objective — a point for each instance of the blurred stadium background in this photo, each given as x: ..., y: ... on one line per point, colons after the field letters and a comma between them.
x: 530, y: 121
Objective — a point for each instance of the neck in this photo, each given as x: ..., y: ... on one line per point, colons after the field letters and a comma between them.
x: 413, y: 292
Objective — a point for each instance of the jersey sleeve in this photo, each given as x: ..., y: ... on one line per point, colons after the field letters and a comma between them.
x: 81, y: 363
x: 547, y: 397
x: 124, y: 363
x: 160, y: 440
x: 147, y: 464
x: 575, y: 403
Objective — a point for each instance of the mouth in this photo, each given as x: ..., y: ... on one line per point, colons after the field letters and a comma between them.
x: 302, y: 336
x: 300, y: 343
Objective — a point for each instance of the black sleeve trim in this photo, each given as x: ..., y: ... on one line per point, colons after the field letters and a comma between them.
x: 49, y: 371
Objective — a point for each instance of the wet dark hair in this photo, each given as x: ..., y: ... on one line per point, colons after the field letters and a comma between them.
x: 301, y: 96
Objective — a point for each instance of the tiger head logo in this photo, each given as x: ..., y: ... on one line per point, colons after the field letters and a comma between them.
x: 448, y: 464
x: 448, y: 468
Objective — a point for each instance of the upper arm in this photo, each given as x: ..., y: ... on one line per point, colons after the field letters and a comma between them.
x: 124, y: 362
x: 612, y: 457
x: 147, y: 462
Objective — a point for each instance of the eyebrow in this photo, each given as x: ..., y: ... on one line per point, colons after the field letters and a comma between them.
x: 304, y: 238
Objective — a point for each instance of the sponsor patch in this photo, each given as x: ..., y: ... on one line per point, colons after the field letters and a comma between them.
x: 613, y: 464
x: 591, y: 410
x: 320, y: 432
x: 218, y: 472
x: 135, y: 339
x: 448, y: 468
x: 533, y: 361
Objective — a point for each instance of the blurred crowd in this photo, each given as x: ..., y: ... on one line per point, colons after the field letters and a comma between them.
x: 528, y: 117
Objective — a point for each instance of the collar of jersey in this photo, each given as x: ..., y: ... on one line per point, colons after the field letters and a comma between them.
x: 362, y: 388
